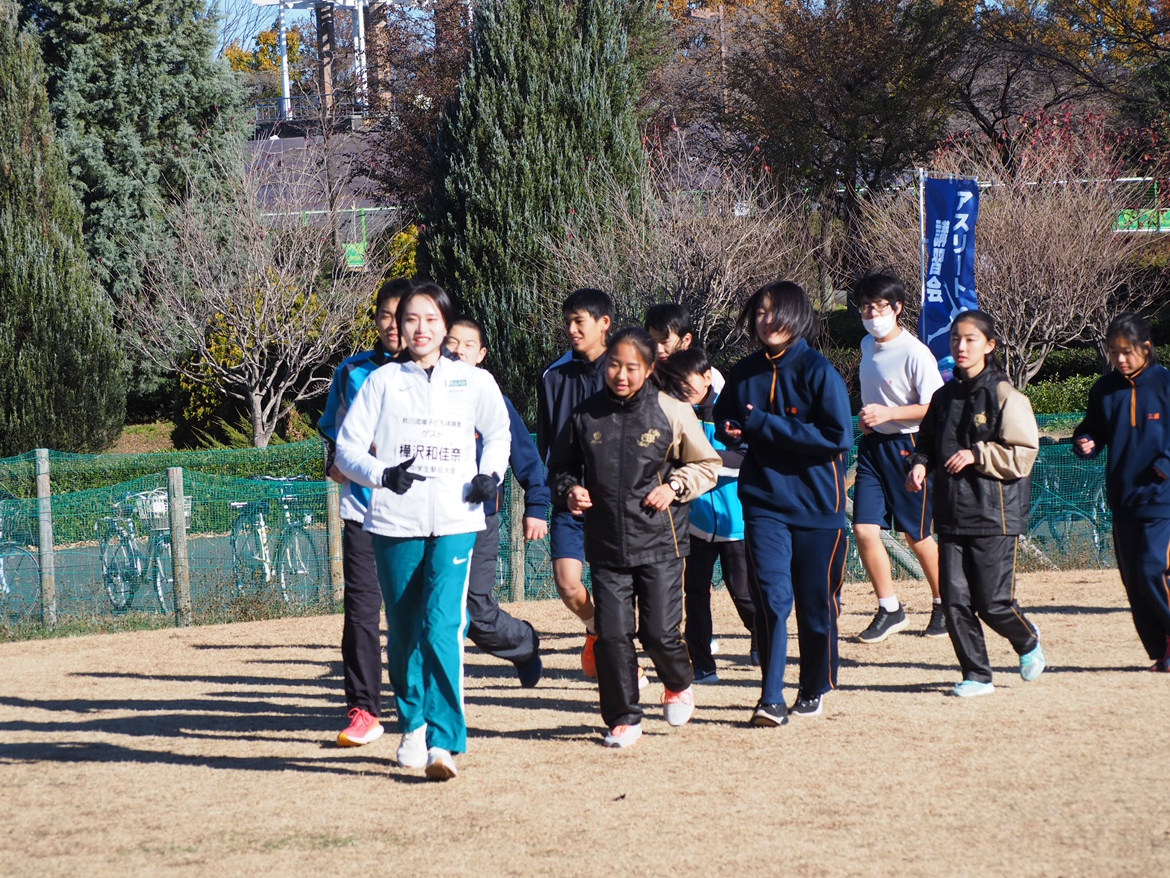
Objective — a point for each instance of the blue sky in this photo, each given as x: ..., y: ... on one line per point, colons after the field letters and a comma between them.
x: 243, y: 20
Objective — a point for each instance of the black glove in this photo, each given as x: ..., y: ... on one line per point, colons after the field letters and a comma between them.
x: 398, y: 480
x: 483, y: 488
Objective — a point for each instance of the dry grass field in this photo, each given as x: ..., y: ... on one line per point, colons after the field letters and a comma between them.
x: 209, y: 752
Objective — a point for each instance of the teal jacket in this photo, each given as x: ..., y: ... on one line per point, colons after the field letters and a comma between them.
x: 718, y: 514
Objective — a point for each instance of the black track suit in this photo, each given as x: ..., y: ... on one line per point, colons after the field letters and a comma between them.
x: 620, y: 450
x: 980, y: 511
x: 1131, y: 416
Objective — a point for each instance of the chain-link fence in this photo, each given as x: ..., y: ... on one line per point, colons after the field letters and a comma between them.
x: 259, y: 540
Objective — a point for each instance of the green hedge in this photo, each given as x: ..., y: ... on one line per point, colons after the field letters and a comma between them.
x: 1055, y: 397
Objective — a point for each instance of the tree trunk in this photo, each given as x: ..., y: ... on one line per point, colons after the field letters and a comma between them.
x: 261, y: 432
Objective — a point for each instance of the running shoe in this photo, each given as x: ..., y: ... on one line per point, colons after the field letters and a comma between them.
x: 588, y: 659
x: 678, y: 707
x: 770, y: 715
x: 362, y: 729
x: 623, y: 736
x: 937, y: 626
x: 1032, y: 664
x: 412, y: 749
x: 971, y: 688
x: 440, y: 764
x: 884, y: 624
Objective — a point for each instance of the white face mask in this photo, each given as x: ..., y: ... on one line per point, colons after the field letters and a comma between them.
x: 880, y: 327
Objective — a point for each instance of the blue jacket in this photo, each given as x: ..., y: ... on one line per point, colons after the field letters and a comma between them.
x: 526, y: 467
x: 347, y: 381
x: 797, y: 434
x: 564, y: 385
x: 1132, y: 419
x: 718, y: 514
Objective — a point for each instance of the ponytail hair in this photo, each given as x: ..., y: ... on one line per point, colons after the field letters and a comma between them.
x: 986, y: 326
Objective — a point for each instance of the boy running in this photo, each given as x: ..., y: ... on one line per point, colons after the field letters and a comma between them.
x: 491, y: 629
x: 669, y: 324
x: 361, y: 648
x: 899, y: 375
x: 568, y: 382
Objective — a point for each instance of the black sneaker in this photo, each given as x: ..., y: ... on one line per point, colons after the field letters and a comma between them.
x: 884, y: 624
x: 937, y: 626
x: 770, y: 715
x: 531, y: 670
x: 806, y: 706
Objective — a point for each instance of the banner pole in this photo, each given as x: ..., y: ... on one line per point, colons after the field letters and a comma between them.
x: 922, y: 237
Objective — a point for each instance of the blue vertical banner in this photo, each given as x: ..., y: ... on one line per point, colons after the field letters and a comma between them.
x: 951, y: 208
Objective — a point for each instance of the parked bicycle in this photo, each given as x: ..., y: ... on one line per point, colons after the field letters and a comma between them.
x: 288, y: 563
x: 125, y: 569
x: 20, y: 573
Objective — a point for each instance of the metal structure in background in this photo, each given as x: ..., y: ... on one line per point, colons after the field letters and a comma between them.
x: 326, y: 43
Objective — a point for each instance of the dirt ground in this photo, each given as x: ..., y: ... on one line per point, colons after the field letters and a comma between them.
x: 209, y: 752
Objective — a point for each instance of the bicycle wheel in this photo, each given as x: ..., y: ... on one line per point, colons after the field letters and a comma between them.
x: 1071, y: 540
x: 20, y: 584
x: 297, y: 569
x: 121, y: 567
x: 163, y: 574
x: 248, y: 554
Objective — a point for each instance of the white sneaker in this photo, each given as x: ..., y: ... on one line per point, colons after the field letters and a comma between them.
x: 678, y: 707
x: 623, y: 736
x: 440, y: 764
x: 642, y: 681
x: 412, y: 749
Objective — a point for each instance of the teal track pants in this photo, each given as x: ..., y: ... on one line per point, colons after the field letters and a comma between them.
x: 424, y: 585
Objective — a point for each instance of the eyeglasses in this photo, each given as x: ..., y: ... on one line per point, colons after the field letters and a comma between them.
x: 875, y: 309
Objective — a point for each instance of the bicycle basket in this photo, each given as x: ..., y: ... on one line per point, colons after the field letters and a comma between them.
x: 153, y: 508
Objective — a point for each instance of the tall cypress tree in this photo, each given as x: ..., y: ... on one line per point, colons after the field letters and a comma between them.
x: 548, y: 99
x: 60, y: 379
x: 140, y: 101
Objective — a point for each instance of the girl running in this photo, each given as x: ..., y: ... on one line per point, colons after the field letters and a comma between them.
x: 627, y: 461
x: 979, y: 438
x: 791, y: 408
x: 410, y: 436
x: 1128, y: 411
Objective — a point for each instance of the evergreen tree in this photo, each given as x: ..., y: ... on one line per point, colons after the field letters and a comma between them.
x: 60, y: 379
x: 138, y: 99
x: 548, y: 101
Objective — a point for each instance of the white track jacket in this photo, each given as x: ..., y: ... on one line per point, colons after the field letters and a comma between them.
x: 401, y: 412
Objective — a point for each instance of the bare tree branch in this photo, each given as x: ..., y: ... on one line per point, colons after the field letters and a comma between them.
x: 696, y: 233
x: 246, y: 292
x: 1049, y: 268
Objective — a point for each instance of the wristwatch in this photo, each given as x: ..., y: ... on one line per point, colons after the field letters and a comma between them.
x: 676, y: 486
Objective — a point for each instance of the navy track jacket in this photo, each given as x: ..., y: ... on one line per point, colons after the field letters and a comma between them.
x: 1132, y: 418
x: 564, y: 385
x: 797, y: 434
x: 526, y: 467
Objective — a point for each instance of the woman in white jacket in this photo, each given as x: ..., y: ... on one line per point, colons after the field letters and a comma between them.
x: 410, y: 435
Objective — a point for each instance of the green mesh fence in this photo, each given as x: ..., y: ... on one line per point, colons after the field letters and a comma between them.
x: 258, y: 537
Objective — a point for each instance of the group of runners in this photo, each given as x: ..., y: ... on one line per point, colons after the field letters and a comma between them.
x: 656, y: 466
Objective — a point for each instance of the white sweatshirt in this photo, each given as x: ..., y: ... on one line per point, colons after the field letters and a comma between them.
x: 402, y: 412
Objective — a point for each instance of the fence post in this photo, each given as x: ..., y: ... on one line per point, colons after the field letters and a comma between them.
x: 333, y: 532
x: 516, y: 542
x: 177, y: 512
x: 45, y: 541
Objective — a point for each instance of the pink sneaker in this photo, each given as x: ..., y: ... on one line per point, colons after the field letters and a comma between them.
x: 363, y: 728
